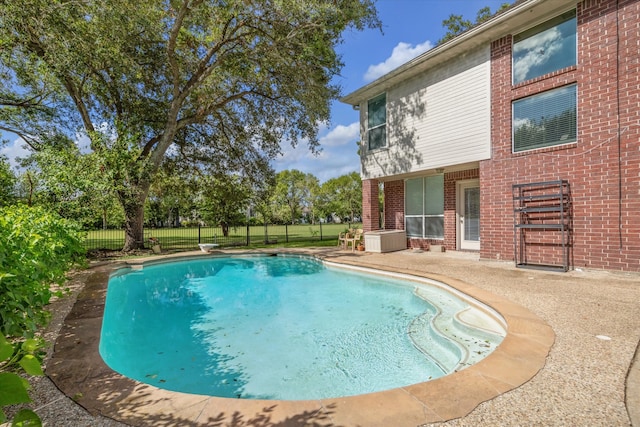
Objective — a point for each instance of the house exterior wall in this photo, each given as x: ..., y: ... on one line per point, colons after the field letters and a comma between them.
x: 602, y: 166
x: 439, y: 118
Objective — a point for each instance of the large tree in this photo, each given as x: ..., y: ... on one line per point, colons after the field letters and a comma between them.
x: 293, y: 194
x: 342, y: 196
x: 220, y: 82
x: 225, y: 201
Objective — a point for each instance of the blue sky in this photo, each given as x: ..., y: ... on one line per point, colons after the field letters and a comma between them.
x: 410, y: 27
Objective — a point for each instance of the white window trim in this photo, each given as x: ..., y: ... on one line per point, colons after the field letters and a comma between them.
x: 368, y: 129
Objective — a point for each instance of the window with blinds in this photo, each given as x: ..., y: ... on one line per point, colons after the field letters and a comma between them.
x: 545, y: 119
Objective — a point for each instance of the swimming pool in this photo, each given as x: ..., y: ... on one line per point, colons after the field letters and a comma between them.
x: 286, y: 328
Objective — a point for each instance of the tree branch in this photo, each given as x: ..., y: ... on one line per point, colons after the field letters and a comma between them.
x: 29, y: 140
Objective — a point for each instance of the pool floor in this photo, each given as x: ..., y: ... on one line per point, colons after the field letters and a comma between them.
x: 78, y: 370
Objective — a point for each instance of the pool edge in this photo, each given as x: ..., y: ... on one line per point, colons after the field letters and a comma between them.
x: 78, y: 370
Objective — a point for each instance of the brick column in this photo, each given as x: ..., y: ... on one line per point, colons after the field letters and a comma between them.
x: 394, y: 205
x: 370, y: 205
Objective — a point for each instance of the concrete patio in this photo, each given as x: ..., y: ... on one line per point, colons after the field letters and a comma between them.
x: 581, y: 382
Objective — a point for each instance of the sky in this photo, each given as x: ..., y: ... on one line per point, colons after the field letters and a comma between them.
x: 410, y: 27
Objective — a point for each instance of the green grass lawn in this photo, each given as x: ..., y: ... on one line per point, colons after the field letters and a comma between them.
x: 188, y: 238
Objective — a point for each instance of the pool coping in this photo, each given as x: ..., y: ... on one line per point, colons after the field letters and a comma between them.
x: 78, y: 371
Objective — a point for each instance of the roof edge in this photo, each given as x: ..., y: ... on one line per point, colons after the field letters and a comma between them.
x: 485, y: 32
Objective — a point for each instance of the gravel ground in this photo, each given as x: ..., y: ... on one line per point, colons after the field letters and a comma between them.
x: 582, y: 384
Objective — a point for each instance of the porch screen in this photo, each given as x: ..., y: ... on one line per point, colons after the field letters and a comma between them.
x: 424, y: 207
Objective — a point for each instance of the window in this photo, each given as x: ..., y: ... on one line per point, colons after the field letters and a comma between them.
x: 545, y: 48
x: 377, y: 122
x: 424, y: 207
x: 545, y: 119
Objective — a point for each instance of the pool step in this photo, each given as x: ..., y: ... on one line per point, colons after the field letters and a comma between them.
x: 457, y: 340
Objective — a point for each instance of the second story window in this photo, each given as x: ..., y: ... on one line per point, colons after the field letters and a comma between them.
x: 545, y: 119
x: 545, y: 48
x: 377, y: 122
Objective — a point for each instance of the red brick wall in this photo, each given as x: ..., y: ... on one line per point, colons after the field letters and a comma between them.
x: 394, y: 209
x: 370, y: 205
x: 450, y: 202
x: 394, y: 205
x: 602, y: 167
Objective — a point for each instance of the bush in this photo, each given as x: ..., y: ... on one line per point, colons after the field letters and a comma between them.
x: 38, y: 248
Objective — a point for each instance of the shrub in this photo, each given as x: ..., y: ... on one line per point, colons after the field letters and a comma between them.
x: 36, y: 251
x: 38, y: 248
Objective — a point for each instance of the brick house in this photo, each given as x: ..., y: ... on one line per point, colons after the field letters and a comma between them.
x: 518, y: 139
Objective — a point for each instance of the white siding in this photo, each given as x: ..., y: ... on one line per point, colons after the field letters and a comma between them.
x: 440, y: 118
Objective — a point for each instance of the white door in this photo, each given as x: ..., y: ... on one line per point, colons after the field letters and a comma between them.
x: 469, y: 215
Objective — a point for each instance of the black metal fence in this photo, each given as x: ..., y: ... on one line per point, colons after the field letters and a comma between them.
x: 243, y: 235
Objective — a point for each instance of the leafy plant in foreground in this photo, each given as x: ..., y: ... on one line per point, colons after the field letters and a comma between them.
x: 13, y: 388
x: 38, y: 248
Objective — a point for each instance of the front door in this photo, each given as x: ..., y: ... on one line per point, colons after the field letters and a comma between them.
x: 469, y: 215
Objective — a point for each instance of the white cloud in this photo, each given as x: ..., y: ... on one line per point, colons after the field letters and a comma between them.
x: 338, y: 155
x: 402, y: 53
x: 15, y: 149
x: 341, y: 135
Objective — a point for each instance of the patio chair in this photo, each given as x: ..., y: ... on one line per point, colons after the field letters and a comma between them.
x: 342, y: 239
x: 355, y: 238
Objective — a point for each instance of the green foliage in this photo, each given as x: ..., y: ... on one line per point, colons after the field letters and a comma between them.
x: 14, y: 389
x: 293, y: 195
x: 37, y: 249
x: 225, y: 198
x: 7, y: 183
x: 70, y: 183
x: 220, y: 83
x: 456, y: 24
x: 342, y: 196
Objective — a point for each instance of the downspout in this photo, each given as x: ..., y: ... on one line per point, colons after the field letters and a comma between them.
x: 619, y: 130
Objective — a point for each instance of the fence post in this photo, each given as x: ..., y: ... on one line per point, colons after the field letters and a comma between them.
x: 199, y: 241
x: 266, y: 233
x: 248, y: 237
x: 321, y: 231
x: 286, y: 233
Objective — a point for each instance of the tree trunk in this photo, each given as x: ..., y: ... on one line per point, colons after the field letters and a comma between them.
x: 133, y: 205
x: 134, y: 228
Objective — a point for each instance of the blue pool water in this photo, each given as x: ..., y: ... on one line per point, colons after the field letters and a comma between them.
x: 277, y: 328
